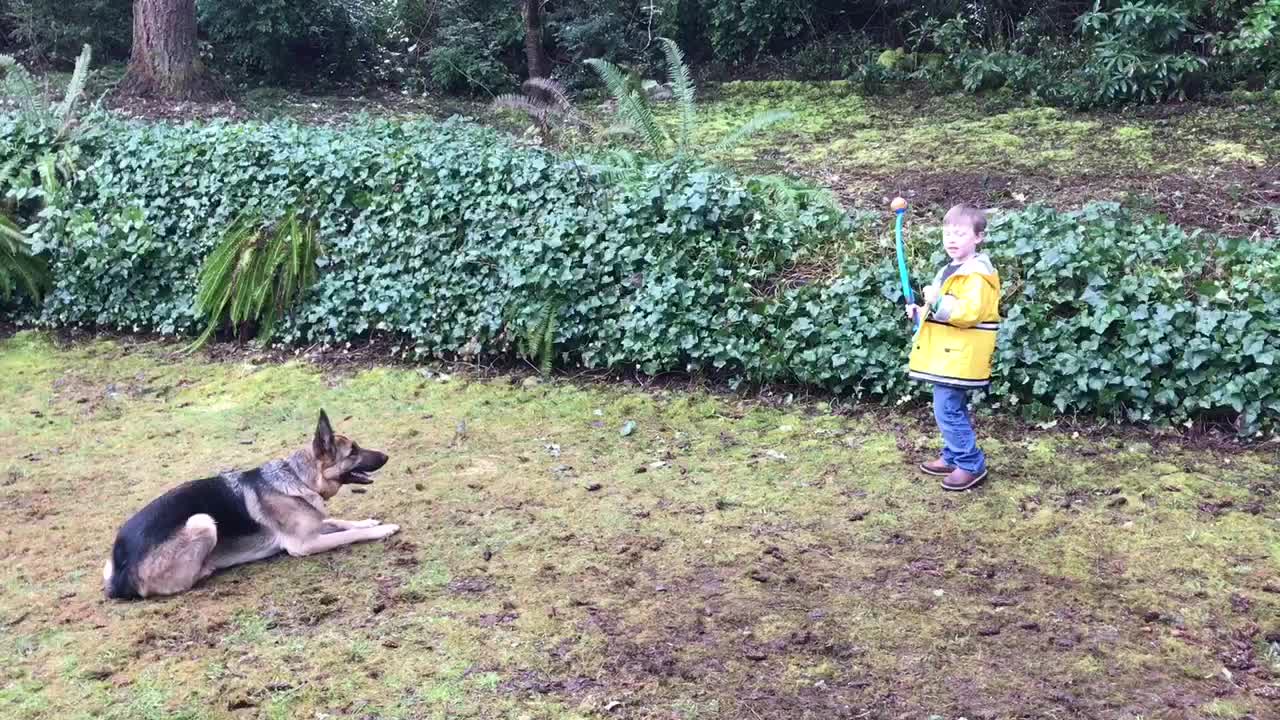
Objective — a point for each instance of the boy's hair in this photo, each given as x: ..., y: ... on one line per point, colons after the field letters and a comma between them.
x: 966, y: 215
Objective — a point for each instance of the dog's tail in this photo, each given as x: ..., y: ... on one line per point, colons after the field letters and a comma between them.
x: 117, y: 576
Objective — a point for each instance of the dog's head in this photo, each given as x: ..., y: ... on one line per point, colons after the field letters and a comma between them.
x: 340, y: 460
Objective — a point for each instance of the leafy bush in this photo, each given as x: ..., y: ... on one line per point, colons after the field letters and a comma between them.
x: 1134, y: 53
x: 53, y: 31
x: 466, y: 69
x: 621, y: 32
x: 1252, y: 47
x: 744, y: 29
x: 873, y: 77
x: 38, y: 142
x: 453, y: 241
x: 271, y: 40
x: 471, y: 47
x: 1136, y: 315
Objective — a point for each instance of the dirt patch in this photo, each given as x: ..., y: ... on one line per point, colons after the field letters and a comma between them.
x: 1240, y: 201
x: 312, y: 109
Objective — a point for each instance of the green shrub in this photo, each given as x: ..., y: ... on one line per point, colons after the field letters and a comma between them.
x: 449, y: 239
x: 53, y: 31
x: 740, y: 30
x: 475, y: 47
x: 1252, y: 48
x: 286, y: 40
x: 1136, y: 315
x: 1135, y: 53
x: 466, y: 70
x: 40, y: 147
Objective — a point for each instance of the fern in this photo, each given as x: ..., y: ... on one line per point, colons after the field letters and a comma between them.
x: 683, y: 90
x: 8, y: 171
x: 545, y: 103
x: 520, y: 103
x: 757, y: 124
x: 19, y: 269
x: 64, y: 115
x: 255, y: 276
x: 636, y: 117
x: 18, y: 84
x: 633, y: 107
x: 538, y: 340
x: 553, y: 90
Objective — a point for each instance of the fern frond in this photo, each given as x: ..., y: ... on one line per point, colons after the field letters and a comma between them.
x: 255, y: 275
x: 683, y: 90
x: 547, y: 349
x: 519, y: 103
x: 552, y: 90
x: 47, y: 166
x: 65, y: 113
x: 755, y: 125
x: 18, y: 84
x: 633, y: 109
x: 19, y: 269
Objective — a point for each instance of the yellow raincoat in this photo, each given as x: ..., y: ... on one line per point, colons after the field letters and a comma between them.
x: 955, y: 344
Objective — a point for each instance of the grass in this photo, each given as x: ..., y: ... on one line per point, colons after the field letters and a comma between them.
x: 706, y: 577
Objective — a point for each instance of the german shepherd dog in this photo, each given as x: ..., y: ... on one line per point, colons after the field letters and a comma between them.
x: 183, y: 536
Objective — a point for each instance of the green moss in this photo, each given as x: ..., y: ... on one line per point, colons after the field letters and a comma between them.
x: 1223, y: 151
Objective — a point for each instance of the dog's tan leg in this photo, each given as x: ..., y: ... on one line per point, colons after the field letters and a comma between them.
x: 323, y: 543
x: 331, y: 525
x: 179, y: 562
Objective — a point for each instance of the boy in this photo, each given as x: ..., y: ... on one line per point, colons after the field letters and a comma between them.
x: 954, y: 347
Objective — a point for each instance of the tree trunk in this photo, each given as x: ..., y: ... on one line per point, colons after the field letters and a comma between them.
x: 165, y: 62
x: 539, y: 65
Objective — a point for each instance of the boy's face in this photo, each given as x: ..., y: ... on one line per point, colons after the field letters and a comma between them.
x: 960, y: 241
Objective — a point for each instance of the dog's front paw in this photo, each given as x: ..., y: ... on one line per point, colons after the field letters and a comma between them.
x: 387, y: 530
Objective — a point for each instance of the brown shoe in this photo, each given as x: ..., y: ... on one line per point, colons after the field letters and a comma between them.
x: 962, y: 479
x: 937, y: 467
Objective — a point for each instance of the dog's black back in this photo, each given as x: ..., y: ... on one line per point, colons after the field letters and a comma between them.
x: 162, y: 517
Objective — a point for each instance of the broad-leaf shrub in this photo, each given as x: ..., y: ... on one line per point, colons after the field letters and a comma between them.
x: 283, y: 40
x: 446, y: 236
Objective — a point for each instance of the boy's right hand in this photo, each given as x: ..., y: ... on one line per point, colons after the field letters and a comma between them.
x: 912, y: 310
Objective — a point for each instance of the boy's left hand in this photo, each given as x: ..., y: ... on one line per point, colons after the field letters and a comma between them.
x: 930, y: 295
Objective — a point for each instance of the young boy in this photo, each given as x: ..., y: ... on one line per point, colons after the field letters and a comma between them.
x: 953, y: 350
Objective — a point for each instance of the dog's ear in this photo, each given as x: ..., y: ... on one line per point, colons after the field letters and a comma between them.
x: 322, y: 445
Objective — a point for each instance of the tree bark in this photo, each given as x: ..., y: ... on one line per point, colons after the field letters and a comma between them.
x: 539, y: 65
x: 165, y: 60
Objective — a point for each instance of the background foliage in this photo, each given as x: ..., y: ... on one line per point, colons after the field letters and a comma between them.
x: 453, y: 242
x: 1068, y: 52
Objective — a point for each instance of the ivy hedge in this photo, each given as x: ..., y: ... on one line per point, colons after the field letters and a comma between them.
x: 450, y: 238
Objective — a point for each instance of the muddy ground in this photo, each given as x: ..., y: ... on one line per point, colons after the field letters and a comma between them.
x: 572, y: 551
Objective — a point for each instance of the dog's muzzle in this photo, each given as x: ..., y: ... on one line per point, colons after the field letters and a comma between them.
x: 370, y: 462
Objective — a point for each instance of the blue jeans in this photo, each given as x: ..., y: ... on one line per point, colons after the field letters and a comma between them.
x: 959, y: 443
